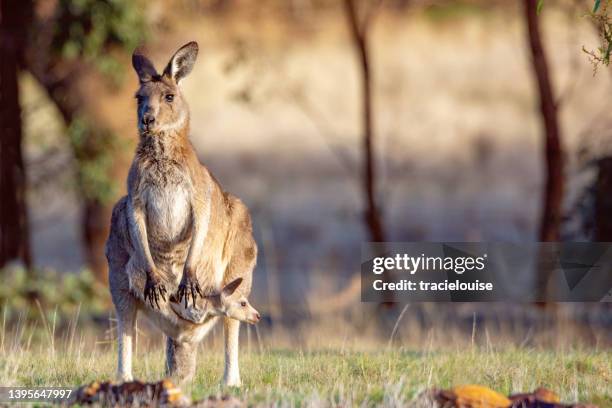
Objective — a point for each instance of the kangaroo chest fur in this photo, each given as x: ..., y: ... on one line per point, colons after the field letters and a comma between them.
x: 168, y: 211
x: 167, y: 191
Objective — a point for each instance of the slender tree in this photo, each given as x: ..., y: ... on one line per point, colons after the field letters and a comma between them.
x: 550, y: 220
x: 14, y: 238
x: 359, y: 28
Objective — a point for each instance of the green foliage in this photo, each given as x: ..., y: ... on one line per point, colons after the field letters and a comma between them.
x: 94, y: 31
x: 62, y: 295
x: 599, y: 15
x: 596, y: 6
x: 90, y: 28
x: 601, y: 55
x: 94, y: 151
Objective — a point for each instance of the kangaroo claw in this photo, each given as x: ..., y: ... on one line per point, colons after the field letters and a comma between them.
x: 153, y: 291
x: 189, y: 287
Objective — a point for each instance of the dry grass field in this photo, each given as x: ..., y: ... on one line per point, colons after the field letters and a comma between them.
x: 338, y: 362
x: 374, y: 375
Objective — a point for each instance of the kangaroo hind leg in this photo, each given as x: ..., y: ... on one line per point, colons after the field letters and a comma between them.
x: 126, y: 324
x: 180, y: 359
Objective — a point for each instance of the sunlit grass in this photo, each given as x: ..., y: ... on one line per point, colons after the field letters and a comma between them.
x: 326, y: 376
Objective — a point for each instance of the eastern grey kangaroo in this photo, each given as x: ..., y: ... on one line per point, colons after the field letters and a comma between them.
x: 180, y: 249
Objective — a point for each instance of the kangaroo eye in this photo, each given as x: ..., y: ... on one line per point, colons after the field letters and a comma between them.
x: 139, y: 99
x: 169, y: 98
x: 243, y: 303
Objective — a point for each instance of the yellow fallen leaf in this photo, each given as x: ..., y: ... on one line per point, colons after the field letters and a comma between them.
x: 173, y: 393
x: 478, y: 396
x: 92, y: 388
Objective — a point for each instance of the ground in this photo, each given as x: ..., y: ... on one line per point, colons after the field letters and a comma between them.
x: 333, y: 376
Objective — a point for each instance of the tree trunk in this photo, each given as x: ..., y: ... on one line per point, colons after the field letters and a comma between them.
x: 372, y: 213
x: 14, y: 237
x: 550, y: 218
x: 80, y: 93
x: 372, y: 217
x: 95, y: 228
x: 603, y: 201
x: 550, y: 221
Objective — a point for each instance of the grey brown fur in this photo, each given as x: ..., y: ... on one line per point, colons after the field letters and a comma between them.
x: 179, y: 245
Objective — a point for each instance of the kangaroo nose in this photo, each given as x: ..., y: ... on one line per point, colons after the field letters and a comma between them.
x: 257, y: 316
x: 147, y: 119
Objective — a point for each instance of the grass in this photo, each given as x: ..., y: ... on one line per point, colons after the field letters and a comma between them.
x: 289, y: 377
x: 342, y: 361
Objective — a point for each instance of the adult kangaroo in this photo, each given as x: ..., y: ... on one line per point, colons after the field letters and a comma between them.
x: 177, y: 239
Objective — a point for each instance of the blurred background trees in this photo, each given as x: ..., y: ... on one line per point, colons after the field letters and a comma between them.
x: 429, y: 104
x: 78, y: 51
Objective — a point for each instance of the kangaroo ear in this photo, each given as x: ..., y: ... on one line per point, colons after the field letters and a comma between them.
x: 231, y: 287
x: 182, y: 61
x: 143, y: 66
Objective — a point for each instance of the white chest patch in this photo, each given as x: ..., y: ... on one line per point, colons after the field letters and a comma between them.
x: 168, y: 211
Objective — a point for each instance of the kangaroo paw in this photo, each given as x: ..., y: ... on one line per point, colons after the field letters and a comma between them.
x: 154, y: 290
x: 189, y: 288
